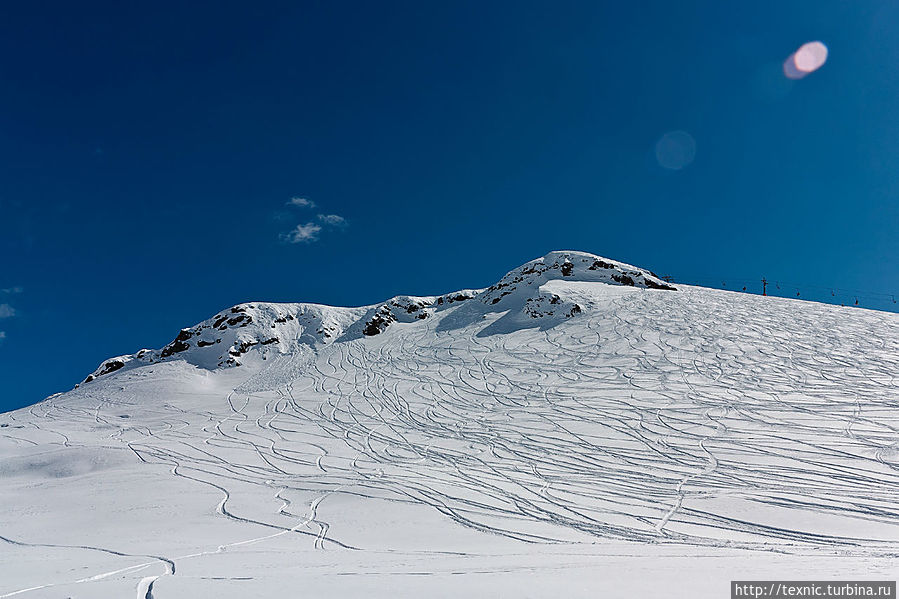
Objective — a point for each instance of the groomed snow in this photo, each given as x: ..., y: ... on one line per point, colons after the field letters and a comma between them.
x: 486, y: 443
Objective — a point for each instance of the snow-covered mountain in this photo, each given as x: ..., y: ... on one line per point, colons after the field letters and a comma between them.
x: 277, y: 329
x: 578, y: 428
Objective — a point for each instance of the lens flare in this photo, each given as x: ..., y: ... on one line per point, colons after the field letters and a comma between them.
x: 675, y: 150
x: 807, y: 59
x: 811, y: 56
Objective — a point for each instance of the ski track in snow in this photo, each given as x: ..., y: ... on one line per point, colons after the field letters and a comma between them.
x: 655, y: 417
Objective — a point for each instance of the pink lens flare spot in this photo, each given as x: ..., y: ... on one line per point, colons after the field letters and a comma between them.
x: 811, y: 56
x: 807, y: 59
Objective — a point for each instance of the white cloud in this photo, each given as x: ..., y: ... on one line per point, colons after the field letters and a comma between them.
x: 302, y: 234
x: 7, y: 311
x: 2, y: 334
x: 311, y: 230
x: 301, y: 203
x: 11, y: 290
x: 335, y: 220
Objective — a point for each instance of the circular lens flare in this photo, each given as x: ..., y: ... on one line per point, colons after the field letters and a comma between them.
x: 807, y: 59
x: 675, y: 150
x: 811, y: 56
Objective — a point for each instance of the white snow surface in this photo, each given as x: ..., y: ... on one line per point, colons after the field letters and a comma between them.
x: 578, y: 429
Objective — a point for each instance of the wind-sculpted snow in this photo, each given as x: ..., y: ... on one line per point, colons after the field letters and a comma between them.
x: 701, y: 425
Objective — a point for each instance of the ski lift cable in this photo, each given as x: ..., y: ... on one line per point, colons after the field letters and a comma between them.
x: 731, y: 283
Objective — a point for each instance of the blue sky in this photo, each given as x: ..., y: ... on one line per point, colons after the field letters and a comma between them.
x: 149, y: 153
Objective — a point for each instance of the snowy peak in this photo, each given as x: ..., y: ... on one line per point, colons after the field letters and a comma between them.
x: 229, y: 335
x: 572, y: 266
x: 224, y: 339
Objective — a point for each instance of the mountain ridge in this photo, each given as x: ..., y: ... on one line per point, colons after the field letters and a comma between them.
x: 222, y: 340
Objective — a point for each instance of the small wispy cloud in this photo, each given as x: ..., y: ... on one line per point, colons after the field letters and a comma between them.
x: 302, y: 234
x: 12, y: 290
x: 2, y: 335
x: 334, y: 220
x: 301, y: 203
x: 7, y: 311
x: 311, y: 230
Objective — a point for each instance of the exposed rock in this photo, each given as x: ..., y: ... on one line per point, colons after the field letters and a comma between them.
x: 624, y: 280
x: 454, y: 297
x: 111, y: 366
x: 601, y: 264
x: 657, y: 285
x: 178, y: 345
x: 378, y: 323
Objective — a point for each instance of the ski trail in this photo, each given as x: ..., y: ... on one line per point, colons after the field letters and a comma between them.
x: 145, y: 587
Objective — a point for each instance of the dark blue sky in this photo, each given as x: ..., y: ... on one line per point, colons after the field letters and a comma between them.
x: 147, y: 152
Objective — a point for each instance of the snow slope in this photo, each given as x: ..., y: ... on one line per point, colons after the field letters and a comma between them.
x: 579, y: 428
